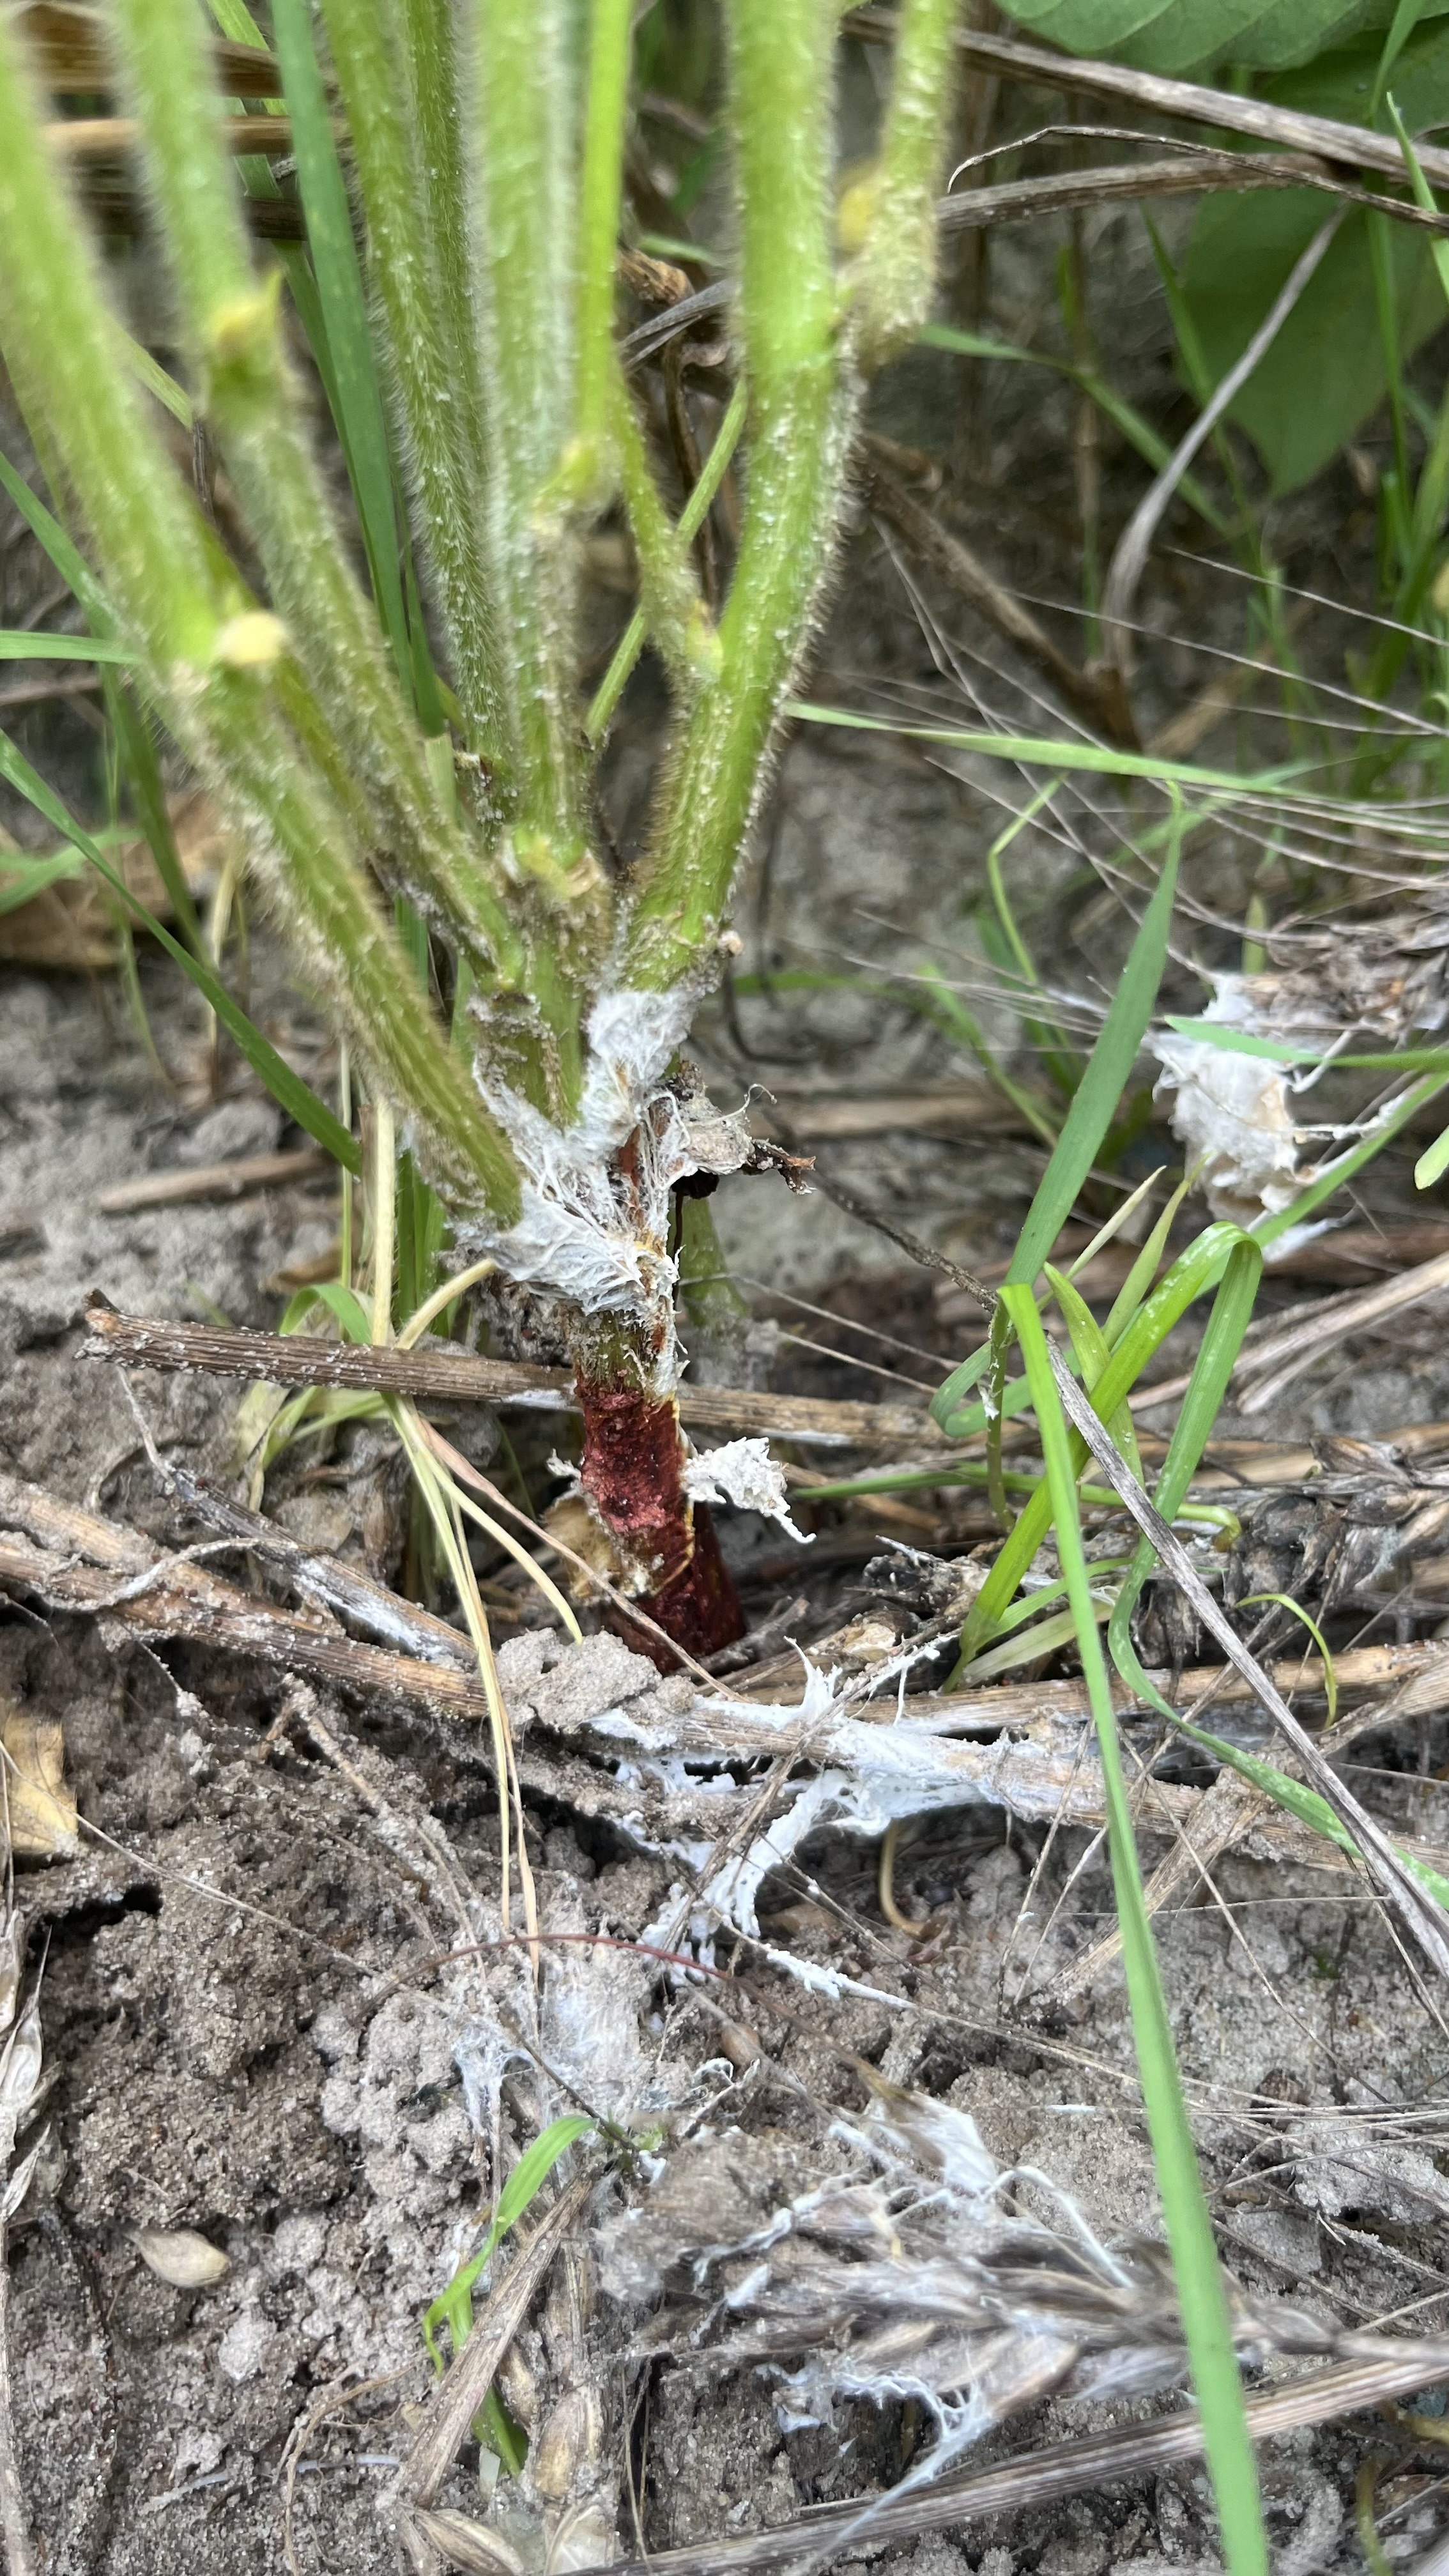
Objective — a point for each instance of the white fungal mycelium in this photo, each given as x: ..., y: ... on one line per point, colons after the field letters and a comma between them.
x: 589, y: 1232
x: 742, y: 1472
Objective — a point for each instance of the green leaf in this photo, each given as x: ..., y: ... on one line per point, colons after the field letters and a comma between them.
x: 1433, y: 1163
x: 1196, y: 1269
x: 1194, y: 35
x: 66, y: 557
x: 1093, y: 1354
x: 1216, y: 1359
x: 1285, y: 1601
x: 141, y: 769
x: 343, y: 1304
x: 1279, y: 1051
x: 1201, y: 2295
x: 1108, y: 1071
x: 533, y: 2169
x: 287, y: 1088
x: 1135, y: 430
x: 1243, y: 248
x: 1334, y: 1175
x: 454, y: 2305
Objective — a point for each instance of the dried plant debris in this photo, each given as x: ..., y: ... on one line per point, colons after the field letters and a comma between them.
x: 20, y: 2062
x: 901, y: 2264
x: 36, y: 1807
x: 179, y: 2255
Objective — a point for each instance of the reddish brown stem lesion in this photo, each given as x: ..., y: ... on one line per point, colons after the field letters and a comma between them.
x: 632, y: 1476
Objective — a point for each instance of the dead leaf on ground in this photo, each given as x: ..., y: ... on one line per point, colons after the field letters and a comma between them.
x: 40, y: 1807
x: 68, y: 926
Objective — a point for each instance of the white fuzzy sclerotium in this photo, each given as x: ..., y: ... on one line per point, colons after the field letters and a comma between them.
x: 587, y: 1233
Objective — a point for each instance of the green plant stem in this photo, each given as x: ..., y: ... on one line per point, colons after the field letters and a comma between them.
x: 1207, y: 2325
x: 691, y: 520
x: 354, y: 389
x: 209, y: 660
x: 232, y: 323
x: 600, y: 196
x: 525, y: 238
x: 429, y: 40
x: 801, y: 412
x: 674, y: 612
x: 898, y: 265
x: 445, y: 441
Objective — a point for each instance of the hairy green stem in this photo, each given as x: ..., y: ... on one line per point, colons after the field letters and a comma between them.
x: 781, y: 98
x: 524, y: 256
x: 232, y: 325
x: 600, y: 196
x: 691, y: 519
x: 209, y: 657
x: 674, y: 612
x: 441, y: 436
x: 898, y: 263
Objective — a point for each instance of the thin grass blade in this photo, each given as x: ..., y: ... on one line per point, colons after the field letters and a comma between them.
x: 361, y: 420
x: 1093, y: 1109
x: 1206, y: 2321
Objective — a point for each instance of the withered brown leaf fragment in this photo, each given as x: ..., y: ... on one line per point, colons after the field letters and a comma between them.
x: 39, y: 1809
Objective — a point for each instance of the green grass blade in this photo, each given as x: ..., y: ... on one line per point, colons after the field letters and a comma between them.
x: 1282, y: 1051
x: 287, y: 1088
x: 1285, y: 1601
x: 67, y: 558
x: 1138, y: 433
x: 1093, y: 1109
x: 950, y: 1014
x: 1144, y: 1269
x: 20, y: 644
x: 1291, y: 1795
x: 533, y: 2169
x: 1432, y: 1163
x: 1094, y: 1354
x: 361, y: 420
x: 1198, y: 1267
x: 1201, y: 2297
x: 1108, y: 1072
x: 1044, y: 752
x: 149, y: 372
x: 1207, y: 1388
x: 142, y: 771
x: 342, y: 1304
x: 1334, y: 1175
x: 132, y: 732
x: 22, y: 878
x: 691, y: 519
